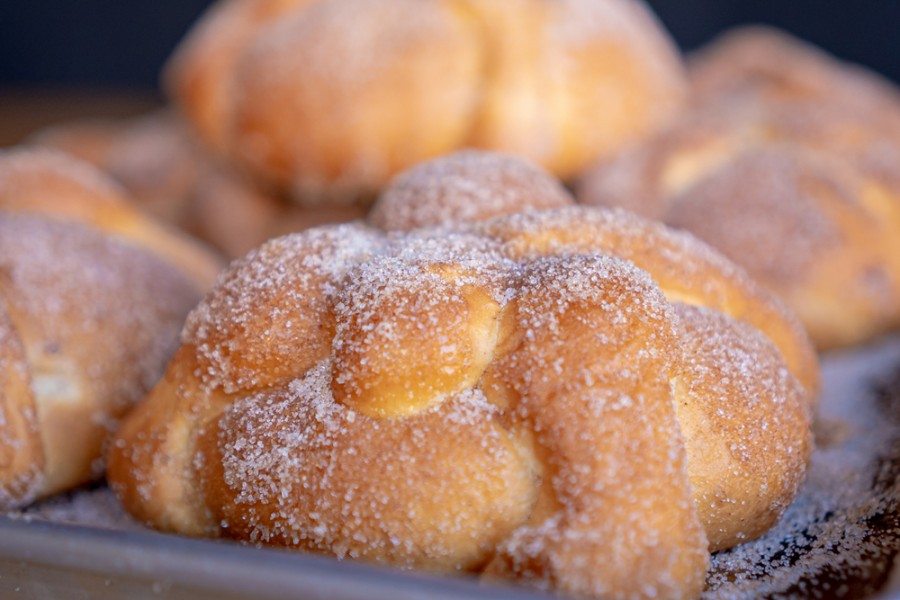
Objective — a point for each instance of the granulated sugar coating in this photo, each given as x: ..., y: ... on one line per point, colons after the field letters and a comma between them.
x: 321, y: 453
x: 466, y: 186
x: 742, y: 407
x: 21, y: 458
x: 70, y: 282
x: 498, y: 398
x: 55, y: 186
x: 240, y: 347
x: 685, y: 269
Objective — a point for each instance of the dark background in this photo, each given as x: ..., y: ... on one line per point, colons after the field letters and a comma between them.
x: 123, y: 43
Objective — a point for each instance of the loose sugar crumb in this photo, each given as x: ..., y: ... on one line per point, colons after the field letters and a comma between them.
x: 89, y: 507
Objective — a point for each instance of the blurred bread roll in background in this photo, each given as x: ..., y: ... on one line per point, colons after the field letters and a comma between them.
x: 237, y: 217
x: 169, y: 175
x: 87, y: 140
x: 774, y: 66
x: 56, y: 186
x: 329, y: 99
x: 92, y: 296
x: 788, y: 162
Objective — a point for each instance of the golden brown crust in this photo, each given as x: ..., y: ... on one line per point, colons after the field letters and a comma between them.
x: 198, y: 73
x: 686, y: 271
x: 459, y: 496
x: 330, y: 99
x: 590, y: 375
x: 242, y: 348
x: 564, y: 123
x: 158, y: 435
x: 555, y: 338
x: 462, y: 315
x: 341, y: 127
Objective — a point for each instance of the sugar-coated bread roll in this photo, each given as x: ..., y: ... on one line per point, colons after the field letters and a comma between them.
x: 91, y: 302
x: 329, y: 99
x: 793, y: 179
x: 575, y: 398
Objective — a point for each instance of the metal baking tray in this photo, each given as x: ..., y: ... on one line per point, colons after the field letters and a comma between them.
x: 42, y: 560
x: 845, y: 550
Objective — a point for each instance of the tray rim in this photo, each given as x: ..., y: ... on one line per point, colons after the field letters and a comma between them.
x: 217, y: 565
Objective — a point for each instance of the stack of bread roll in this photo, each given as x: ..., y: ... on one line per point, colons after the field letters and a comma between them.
x: 481, y: 375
